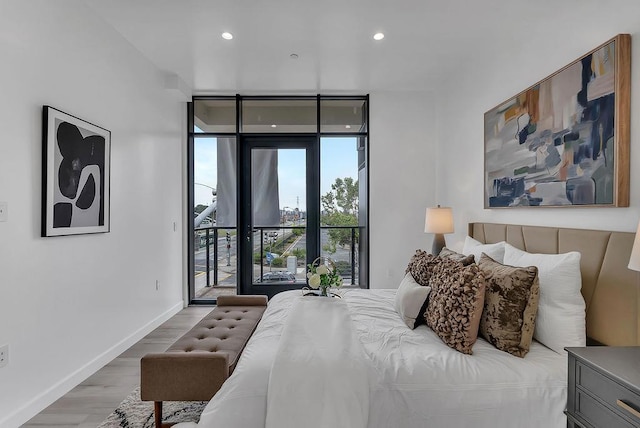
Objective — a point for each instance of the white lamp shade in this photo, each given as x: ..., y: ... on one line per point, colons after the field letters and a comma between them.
x: 439, y: 220
x: 634, y: 260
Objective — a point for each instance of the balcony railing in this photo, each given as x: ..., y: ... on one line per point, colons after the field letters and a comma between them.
x: 352, y: 242
x: 219, y: 245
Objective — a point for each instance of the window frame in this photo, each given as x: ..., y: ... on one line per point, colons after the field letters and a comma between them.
x: 364, y: 230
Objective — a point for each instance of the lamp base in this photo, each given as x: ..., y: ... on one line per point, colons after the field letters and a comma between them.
x: 438, y: 244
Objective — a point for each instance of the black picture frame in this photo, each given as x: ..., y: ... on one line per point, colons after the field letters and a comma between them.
x: 76, y: 160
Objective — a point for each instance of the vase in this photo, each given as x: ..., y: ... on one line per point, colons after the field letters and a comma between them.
x: 323, y: 291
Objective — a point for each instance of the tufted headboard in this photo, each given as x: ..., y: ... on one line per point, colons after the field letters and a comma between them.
x: 610, y: 290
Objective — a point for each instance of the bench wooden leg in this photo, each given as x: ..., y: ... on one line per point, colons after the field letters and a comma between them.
x: 157, y: 412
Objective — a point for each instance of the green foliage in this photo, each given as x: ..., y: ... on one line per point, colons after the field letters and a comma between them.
x: 329, y: 248
x: 258, y: 258
x: 340, y: 237
x: 278, y: 262
x: 343, y: 196
x: 343, y: 268
x: 300, y: 253
x: 324, y: 276
x: 278, y: 246
x: 298, y: 232
x: 340, y: 208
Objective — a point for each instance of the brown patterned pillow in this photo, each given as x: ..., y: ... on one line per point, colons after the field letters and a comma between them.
x: 510, y: 305
x: 421, y: 265
x: 449, y: 254
x: 455, y: 304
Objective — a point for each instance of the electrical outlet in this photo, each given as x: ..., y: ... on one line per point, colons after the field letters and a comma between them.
x: 157, y: 284
x: 4, y: 355
x: 4, y: 211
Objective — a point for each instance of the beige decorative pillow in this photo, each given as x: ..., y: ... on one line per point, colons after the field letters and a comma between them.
x: 452, y: 255
x: 455, y: 304
x: 421, y: 265
x: 510, y: 305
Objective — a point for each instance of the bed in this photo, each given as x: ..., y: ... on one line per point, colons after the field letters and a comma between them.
x: 420, y: 382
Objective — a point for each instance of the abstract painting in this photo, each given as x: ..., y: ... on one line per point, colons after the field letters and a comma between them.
x: 75, y: 176
x: 565, y: 140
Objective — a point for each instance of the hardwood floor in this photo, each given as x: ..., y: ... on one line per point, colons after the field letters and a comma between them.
x: 89, y: 403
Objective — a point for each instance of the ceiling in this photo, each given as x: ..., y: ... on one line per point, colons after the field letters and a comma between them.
x: 426, y: 40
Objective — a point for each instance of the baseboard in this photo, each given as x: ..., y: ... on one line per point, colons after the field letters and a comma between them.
x: 46, y: 398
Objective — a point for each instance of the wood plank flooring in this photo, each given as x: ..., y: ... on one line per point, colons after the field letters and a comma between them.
x: 89, y: 403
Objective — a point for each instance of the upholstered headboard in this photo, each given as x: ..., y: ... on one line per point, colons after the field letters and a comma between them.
x: 610, y: 290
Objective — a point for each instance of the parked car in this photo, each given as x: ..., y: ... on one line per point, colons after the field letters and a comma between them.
x: 280, y: 276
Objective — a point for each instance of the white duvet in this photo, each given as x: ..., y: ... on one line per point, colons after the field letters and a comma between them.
x: 321, y: 362
x: 419, y: 381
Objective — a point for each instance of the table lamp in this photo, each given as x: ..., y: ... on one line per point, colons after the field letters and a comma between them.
x: 439, y: 220
x: 634, y: 260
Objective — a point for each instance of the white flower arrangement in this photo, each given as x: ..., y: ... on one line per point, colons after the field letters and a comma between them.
x: 323, y: 275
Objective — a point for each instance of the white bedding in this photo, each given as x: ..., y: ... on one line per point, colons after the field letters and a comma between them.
x: 321, y: 362
x: 420, y: 382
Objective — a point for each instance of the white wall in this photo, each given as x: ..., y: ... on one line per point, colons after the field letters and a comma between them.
x: 482, y: 83
x: 402, y: 181
x: 70, y: 304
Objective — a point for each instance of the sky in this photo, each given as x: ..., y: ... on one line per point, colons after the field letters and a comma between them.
x: 338, y: 158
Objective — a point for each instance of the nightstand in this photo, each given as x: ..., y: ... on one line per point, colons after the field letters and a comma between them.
x: 604, y: 387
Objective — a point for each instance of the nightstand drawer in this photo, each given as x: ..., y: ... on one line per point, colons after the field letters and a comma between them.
x: 607, y: 390
x: 597, y: 414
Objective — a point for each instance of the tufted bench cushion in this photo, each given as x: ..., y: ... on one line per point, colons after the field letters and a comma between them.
x: 196, y: 365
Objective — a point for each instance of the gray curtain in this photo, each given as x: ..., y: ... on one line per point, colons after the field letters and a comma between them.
x: 226, y: 186
x: 265, y: 197
x: 264, y: 180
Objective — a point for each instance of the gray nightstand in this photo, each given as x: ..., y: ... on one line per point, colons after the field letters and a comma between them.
x: 604, y: 387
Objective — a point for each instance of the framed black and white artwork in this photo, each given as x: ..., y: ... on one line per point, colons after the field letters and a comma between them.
x: 75, y: 175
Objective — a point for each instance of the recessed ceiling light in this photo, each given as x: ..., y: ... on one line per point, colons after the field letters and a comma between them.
x: 227, y: 36
x: 378, y: 36
x: 274, y: 125
x: 348, y: 126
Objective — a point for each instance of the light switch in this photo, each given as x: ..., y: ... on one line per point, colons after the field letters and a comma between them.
x: 4, y: 211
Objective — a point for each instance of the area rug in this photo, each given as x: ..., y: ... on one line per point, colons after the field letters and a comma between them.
x: 133, y: 413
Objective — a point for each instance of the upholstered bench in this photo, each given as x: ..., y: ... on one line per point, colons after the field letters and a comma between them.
x: 196, y: 365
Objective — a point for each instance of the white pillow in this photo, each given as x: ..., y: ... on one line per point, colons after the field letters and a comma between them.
x: 410, y: 301
x: 561, y: 319
x: 495, y: 251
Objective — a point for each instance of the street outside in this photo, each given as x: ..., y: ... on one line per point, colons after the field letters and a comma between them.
x: 227, y: 262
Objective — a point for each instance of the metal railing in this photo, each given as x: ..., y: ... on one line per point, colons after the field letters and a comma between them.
x: 352, y: 242
x: 274, y: 236
x: 269, y: 237
x: 206, y: 237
